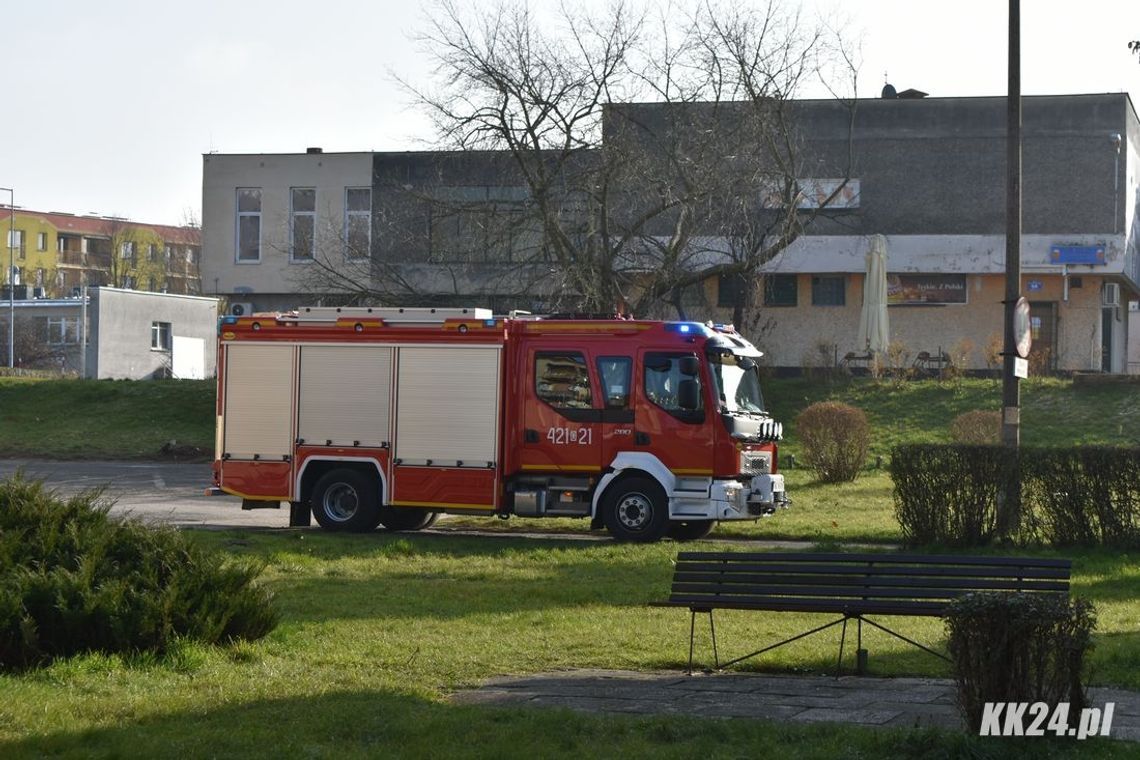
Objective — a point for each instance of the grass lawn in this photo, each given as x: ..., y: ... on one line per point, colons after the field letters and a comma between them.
x: 86, y: 419
x: 377, y: 630
x: 103, y: 419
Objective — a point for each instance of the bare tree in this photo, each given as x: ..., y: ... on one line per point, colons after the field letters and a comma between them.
x: 617, y: 162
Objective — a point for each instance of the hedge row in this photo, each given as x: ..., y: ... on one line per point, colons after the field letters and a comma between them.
x: 962, y: 495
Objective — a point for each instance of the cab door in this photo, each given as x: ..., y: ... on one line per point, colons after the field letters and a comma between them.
x: 672, y: 412
x: 562, y: 416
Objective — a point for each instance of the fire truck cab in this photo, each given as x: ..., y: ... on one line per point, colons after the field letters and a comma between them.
x: 370, y: 416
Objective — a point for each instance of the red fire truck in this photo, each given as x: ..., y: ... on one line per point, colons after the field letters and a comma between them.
x: 370, y: 416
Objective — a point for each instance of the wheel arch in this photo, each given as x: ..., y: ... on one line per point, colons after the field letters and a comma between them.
x: 315, y: 468
x: 629, y: 463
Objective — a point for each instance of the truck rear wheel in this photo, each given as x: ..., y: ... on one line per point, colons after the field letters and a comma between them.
x: 403, y: 518
x: 689, y: 530
x: 635, y: 509
x: 346, y: 500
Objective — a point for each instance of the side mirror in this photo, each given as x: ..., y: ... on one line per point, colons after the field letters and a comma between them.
x: 689, y: 395
x: 688, y: 366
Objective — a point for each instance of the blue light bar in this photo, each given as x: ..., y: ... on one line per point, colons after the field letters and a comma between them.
x: 688, y: 328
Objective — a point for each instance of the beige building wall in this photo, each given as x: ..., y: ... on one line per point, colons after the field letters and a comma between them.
x: 329, y: 173
x: 807, y: 335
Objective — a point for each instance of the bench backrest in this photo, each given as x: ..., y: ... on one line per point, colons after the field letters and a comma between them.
x: 903, y: 584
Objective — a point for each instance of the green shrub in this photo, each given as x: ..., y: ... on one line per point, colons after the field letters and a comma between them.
x: 1018, y: 648
x: 1086, y: 496
x: 835, y: 438
x: 74, y: 580
x: 949, y: 494
x: 978, y: 428
x: 1080, y: 496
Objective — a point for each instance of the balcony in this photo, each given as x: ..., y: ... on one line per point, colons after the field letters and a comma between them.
x: 71, y: 258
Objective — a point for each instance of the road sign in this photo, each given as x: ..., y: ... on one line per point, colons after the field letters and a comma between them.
x: 1022, y: 332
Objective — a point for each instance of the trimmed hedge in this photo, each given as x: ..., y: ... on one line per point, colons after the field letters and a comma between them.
x: 956, y: 495
x: 74, y: 580
x: 1018, y: 648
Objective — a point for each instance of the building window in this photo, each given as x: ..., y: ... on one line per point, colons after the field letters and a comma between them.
x: 829, y: 290
x: 151, y: 252
x: 41, y: 241
x: 160, y: 336
x: 302, y: 223
x: 249, y: 224
x: 16, y: 241
x: 357, y: 222
x: 780, y: 290
x: 730, y: 290
x: 127, y: 249
x: 62, y: 331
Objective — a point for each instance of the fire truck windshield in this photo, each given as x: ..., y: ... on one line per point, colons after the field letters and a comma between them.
x: 737, y: 382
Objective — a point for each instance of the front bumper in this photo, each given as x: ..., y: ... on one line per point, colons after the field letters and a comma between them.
x: 738, y: 500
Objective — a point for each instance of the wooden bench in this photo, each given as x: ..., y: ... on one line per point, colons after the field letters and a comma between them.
x: 850, y: 585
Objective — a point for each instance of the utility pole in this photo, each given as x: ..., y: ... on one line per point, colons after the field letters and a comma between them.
x: 11, y: 276
x: 1011, y: 403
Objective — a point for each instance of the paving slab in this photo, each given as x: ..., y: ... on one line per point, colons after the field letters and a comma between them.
x: 861, y: 700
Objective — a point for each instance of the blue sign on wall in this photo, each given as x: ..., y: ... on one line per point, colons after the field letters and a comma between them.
x: 1077, y: 254
x: 1035, y: 285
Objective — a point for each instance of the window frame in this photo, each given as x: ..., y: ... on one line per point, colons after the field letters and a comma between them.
x: 239, y: 217
x: 585, y: 367
x: 816, y: 294
x: 158, y: 331
x: 294, y: 216
x: 349, y: 215
x: 730, y: 290
x: 59, y: 328
x: 770, y: 281
x: 688, y: 416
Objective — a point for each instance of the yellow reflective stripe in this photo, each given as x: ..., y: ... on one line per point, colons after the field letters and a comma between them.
x: 448, y: 505
x: 232, y: 492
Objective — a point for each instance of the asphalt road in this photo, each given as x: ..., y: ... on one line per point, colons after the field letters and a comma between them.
x: 163, y: 492
x: 174, y: 494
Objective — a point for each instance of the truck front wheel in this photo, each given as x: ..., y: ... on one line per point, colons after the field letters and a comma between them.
x: 346, y: 500
x: 635, y: 509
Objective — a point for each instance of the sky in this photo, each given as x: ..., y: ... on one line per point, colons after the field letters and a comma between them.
x: 108, y: 107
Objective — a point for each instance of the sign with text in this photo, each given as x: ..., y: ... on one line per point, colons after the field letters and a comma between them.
x: 1091, y: 255
x: 904, y: 289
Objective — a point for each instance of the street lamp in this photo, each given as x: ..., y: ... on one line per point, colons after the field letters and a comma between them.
x: 11, y: 277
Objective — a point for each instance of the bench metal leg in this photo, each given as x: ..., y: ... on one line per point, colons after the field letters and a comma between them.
x: 842, y: 638
x: 692, y: 637
x: 785, y: 641
x: 909, y: 641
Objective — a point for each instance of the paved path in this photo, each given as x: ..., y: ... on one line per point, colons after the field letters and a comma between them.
x: 891, y: 702
x: 173, y: 493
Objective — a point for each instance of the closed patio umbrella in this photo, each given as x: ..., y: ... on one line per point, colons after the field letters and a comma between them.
x: 874, y: 324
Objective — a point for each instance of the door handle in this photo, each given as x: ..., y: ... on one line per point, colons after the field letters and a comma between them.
x: 530, y: 436
x: 641, y: 439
